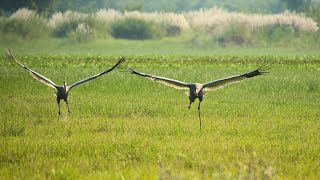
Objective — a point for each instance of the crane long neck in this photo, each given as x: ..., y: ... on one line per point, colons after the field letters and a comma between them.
x: 198, y: 90
x: 65, y: 87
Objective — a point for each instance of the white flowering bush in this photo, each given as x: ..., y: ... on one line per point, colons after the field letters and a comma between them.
x: 107, y: 16
x: 24, y: 23
x: 83, y: 33
x: 24, y: 14
x: 65, y: 23
x: 217, y: 20
x: 224, y: 27
x: 58, y: 18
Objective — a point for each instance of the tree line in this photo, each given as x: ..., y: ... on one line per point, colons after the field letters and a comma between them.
x: 253, y: 6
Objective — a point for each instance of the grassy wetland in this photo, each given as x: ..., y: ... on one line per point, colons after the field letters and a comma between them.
x: 124, y: 126
x: 127, y: 127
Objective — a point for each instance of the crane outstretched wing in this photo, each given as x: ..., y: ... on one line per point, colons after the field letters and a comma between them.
x: 216, y: 84
x: 122, y: 59
x: 36, y: 75
x: 169, y: 82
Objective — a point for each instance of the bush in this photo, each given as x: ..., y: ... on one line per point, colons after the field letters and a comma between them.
x: 133, y: 28
x: 276, y: 34
x: 83, y: 33
x: 65, y: 28
x: 173, y: 30
x: 24, y: 23
x: 236, y: 34
x: 80, y: 29
x: 25, y: 28
x: 98, y: 29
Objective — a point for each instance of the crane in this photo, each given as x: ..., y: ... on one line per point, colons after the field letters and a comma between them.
x: 196, y: 90
x: 62, y: 91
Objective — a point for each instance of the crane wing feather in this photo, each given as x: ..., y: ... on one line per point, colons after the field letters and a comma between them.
x: 220, y: 83
x: 216, y: 84
x: 122, y: 59
x: 34, y: 74
x: 169, y: 82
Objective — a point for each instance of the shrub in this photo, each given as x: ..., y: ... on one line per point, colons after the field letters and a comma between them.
x: 275, y: 33
x: 172, y: 30
x: 65, y: 23
x: 83, y: 33
x: 216, y: 20
x: 134, y: 28
x: 98, y: 29
x: 24, y: 23
x: 236, y: 34
x: 63, y: 29
x: 74, y: 25
x: 27, y: 29
x: 287, y: 36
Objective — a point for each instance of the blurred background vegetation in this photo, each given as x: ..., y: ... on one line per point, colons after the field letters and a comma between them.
x: 195, y: 23
x: 88, y: 6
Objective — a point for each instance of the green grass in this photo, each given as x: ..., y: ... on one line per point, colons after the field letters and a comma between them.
x: 123, y: 126
x: 180, y: 46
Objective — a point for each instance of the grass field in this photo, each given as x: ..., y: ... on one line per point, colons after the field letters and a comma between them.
x: 181, y: 46
x: 123, y: 126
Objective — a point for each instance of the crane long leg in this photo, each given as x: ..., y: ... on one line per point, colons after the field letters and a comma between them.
x: 190, y: 105
x: 68, y: 106
x: 59, y: 113
x: 199, y: 114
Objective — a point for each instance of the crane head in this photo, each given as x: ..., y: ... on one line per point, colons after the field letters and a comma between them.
x: 65, y: 85
x: 198, y: 89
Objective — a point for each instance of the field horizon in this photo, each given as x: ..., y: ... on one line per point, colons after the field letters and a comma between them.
x: 133, y: 48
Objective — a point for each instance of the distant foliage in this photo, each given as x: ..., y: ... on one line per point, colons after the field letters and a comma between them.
x: 133, y: 28
x: 25, y: 23
x: 83, y: 33
x: 65, y: 28
x: 236, y: 34
x: 216, y: 20
x: 221, y: 27
x: 107, y: 15
x: 65, y: 23
x: 77, y: 26
x: 172, y: 23
x: 172, y: 30
x: 276, y: 33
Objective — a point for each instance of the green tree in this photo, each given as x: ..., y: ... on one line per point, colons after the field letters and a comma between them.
x: 41, y: 6
x: 298, y: 5
x: 136, y: 6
